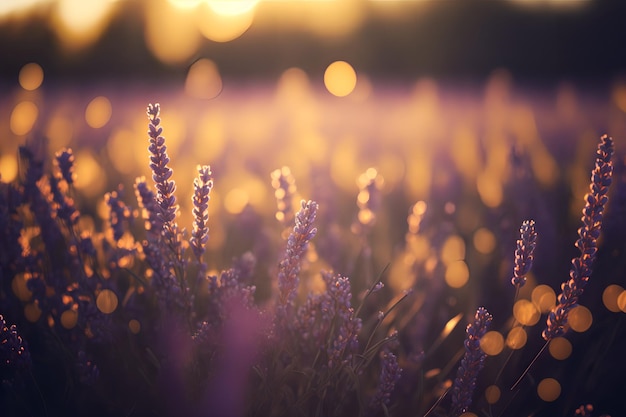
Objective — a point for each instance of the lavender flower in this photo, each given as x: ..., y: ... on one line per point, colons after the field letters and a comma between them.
x: 202, y: 186
x: 65, y: 162
x: 338, y: 310
x: 587, y: 243
x: 161, y: 175
x: 14, y: 353
x: 524, y: 253
x: 471, y: 364
x: 389, y: 376
x: 284, y: 190
x: 297, y: 244
x: 119, y: 212
x: 147, y: 201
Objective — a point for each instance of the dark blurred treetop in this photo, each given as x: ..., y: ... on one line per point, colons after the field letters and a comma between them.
x: 456, y: 39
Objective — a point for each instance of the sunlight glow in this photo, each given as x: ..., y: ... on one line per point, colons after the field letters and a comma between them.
x: 610, y: 296
x: 98, y: 112
x: 31, y: 76
x: 232, y: 7
x: 23, y: 117
x: 492, y: 343
x: 203, y: 80
x: 222, y: 27
x: 340, y: 78
x: 8, y: 168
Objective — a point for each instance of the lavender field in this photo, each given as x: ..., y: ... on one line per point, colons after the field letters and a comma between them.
x: 311, y: 244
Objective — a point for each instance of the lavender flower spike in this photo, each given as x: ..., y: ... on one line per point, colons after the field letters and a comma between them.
x: 297, y: 243
x: 389, y: 376
x: 65, y: 161
x: 524, y: 253
x: 202, y: 186
x: 595, y: 201
x: 471, y: 364
x: 161, y: 173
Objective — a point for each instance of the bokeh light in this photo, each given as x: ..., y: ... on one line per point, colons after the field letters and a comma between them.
x: 492, y: 394
x: 8, y: 167
x: 549, y: 389
x: 560, y: 348
x: 484, y: 241
x: 134, y: 326
x: 203, y: 80
x: 340, y: 78
x: 23, y: 117
x: 492, y: 343
x: 621, y: 301
x: 453, y: 249
x: 457, y: 274
x: 216, y: 24
x: 32, y: 312
x: 580, y: 319
x: 544, y: 297
x: 90, y: 178
x: 517, y: 338
x: 98, y: 112
x: 610, y: 296
x: 31, y: 76
x: 526, y: 313
x: 79, y: 23
x: 69, y: 319
x: 107, y: 301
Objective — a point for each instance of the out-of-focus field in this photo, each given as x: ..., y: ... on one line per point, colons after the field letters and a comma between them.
x: 480, y: 158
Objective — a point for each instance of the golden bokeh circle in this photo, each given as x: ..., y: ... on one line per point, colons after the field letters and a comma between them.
x: 549, y: 389
x: 560, y: 348
x: 492, y: 343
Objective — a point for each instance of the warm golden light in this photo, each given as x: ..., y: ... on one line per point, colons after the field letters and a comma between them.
x: 492, y: 394
x: 20, y: 287
x: 98, y: 112
x: 23, y: 117
x: 69, y: 318
x: 492, y: 343
x: 134, y: 326
x: 8, y: 167
x: 236, y: 200
x: 80, y: 23
x: 526, y: 313
x: 340, y: 78
x: 621, y: 301
x: 31, y: 76
x: 549, y: 389
x: 90, y: 178
x: 107, y: 301
x: 168, y: 32
x: 484, y: 241
x: 223, y: 27
x: 544, y: 297
x: 203, y: 80
x: 560, y: 348
x: 457, y: 274
x: 610, y: 296
x: 32, y: 312
x: 517, y: 337
x: 232, y: 7
x: 453, y: 249
x: 580, y: 319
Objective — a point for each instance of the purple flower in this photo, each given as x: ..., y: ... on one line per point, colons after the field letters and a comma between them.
x: 202, y: 186
x: 389, y: 376
x: 65, y: 162
x: 161, y: 175
x: 524, y: 253
x: 587, y: 243
x: 471, y: 364
x: 119, y: 212
x: 297, y: 244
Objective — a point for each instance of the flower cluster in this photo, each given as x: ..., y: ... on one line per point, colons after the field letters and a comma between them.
x: 524, y: 253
